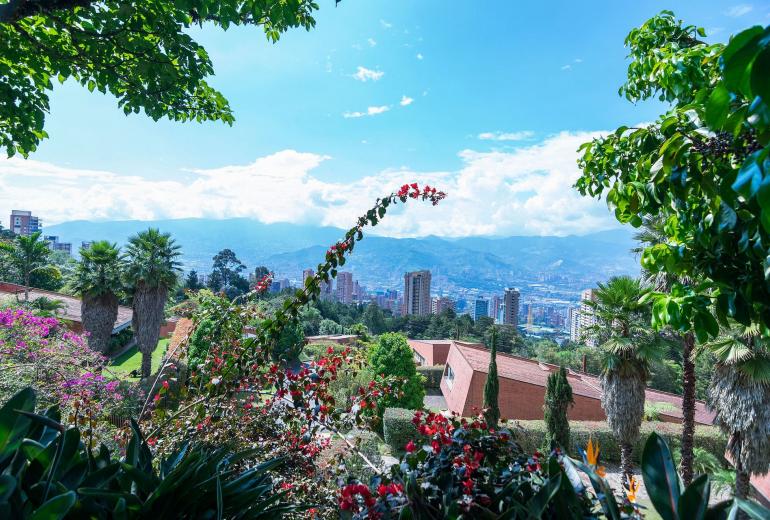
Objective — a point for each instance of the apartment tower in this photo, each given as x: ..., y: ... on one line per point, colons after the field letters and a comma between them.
x: 417, y: 293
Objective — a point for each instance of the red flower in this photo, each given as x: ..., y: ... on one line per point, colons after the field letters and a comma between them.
x: 152, y: 441
x: 165, y: 385
x: 410, y: 447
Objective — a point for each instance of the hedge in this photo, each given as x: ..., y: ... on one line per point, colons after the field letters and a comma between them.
x: 531, y: 436
x: 398, y: 428
x: 432, y: 375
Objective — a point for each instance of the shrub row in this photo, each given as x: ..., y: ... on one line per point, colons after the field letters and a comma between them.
x: 398, y: 428
x: 432, y: 375
x: 531, y: 436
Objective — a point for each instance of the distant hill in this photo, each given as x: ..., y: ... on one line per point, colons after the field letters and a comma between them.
x: 484, y: 263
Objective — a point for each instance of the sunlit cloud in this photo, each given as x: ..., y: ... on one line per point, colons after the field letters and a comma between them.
x: 405, y: 101
x: 739, y: 10
x: 370, y: 111
x: 506, y: 136
x: 364, y: 74
x: 526, y: 191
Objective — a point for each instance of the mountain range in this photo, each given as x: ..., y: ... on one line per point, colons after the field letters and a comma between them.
x: 482, y: 263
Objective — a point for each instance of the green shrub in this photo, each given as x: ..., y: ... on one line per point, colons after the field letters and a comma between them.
x: 531, y: 435
x: 432, y: 375
x: 398, y: 427
x: 392, y: 357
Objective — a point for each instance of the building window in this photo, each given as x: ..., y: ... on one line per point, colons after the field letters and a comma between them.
x: 449, y: 376
x: 418, y: 359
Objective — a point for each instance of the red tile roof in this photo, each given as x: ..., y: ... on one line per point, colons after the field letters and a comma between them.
x: 71, y: 310
x: 536, y: 373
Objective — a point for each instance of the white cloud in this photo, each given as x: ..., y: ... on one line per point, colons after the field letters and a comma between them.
x: 578, y: 60
x: 364, y: 74
x: 420, y: 56
x: 385, y: 24
x: 372, y: 42
x: 506, y: 136
x: 405, y: 101
x: 739, y: 10
x: 524, y: 191
x: 566, y: 67
x: 370, y: 111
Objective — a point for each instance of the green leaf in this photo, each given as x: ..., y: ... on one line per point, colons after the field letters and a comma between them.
x: 13, y: 426
x: 695, y: 499
x: 660, y: 477
x: 749, y: 178
x: 7, y: 485
x: 760, y: 75
x: 754, y: 510
x: 55, y: 508
x: 718, y: 107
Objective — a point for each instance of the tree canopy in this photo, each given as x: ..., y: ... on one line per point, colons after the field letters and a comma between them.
x: 140, y: 51
x: 702, y: 166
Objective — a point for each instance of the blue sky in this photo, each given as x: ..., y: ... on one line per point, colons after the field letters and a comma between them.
x: 489, y: 97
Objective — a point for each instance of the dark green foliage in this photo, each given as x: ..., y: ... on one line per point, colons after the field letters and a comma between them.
x: 192, y: 281
x: 47, y: 472
x: 398, y: 428
x: 226, y: 275
x: 392, y: 357
x: 143, y: 53
x: 289, y: 345
x: 490, y: 403
x: 661, y: 481
x: 432, y: 375
x: 532, y: 436
x: 558, y: 398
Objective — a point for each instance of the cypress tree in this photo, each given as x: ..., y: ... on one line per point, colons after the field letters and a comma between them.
x: 558, y: 398
x: 492, y: 386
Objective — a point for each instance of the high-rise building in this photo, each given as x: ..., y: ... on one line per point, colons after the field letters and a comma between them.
x: 511, y: 302
x: 24, y: 222
x: 574, y: 324
x: 417, y: 293
x: 86, y: 244
x: 345, y: 287
x: 586, y: 316
x: 440, y: 304
x: 307, y: 273
x: 494, y: 307
x: 480, y: 308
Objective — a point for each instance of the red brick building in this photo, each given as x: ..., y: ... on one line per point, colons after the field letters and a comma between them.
x: 522, y: 388
x: 430, y: 351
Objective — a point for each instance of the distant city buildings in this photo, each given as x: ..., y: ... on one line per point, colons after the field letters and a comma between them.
x: 480, y: 309
x: 574, y: 324
x: 345, y: 287
x: 441, y: 304
x: 586, y: 316
x: 55, y: 245
x: 24, y: 223
x: 494, y: 308
x: 511, y: 307
x: 86, y: 244
x: 417, y: 293
x: 307, y: 273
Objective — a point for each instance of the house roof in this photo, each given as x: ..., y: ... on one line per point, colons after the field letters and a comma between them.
x: 9, y: 292
x: 536, y: 373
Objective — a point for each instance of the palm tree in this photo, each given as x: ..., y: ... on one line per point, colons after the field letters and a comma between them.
x: 26, y: 254
x: 48, y: 307
x: 98, y: 281
x: 152, y: 269
x: 652, y: 233
x: 740, y: 393
x: 623, y: 329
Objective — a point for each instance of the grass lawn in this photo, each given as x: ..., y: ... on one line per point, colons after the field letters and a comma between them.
x: 131, y: 360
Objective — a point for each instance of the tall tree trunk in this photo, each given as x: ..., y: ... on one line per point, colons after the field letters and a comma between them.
x: 688, y: 408
x: 99, y: 314
x: 626, y: 461
x: 148, y: 308
x: 26, y: 286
